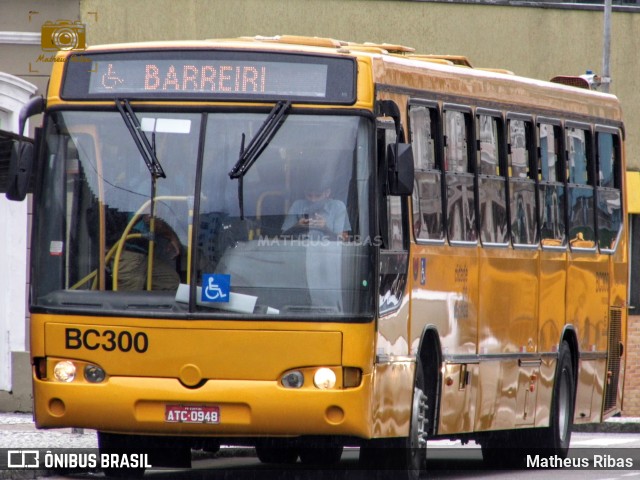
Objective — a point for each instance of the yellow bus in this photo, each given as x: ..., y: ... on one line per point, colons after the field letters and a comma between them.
x: 302, y: 244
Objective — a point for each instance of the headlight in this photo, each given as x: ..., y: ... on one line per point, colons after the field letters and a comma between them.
x: 293, y: 379
x: 94, y: 374
x: 64, y: 371
x: 324, y: 378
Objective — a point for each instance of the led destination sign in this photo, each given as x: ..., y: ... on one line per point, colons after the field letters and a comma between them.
x: 259, y: 78
x: 181, y: 75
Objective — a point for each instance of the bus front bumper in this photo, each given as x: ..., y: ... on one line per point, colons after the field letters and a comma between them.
x: 245, y: 408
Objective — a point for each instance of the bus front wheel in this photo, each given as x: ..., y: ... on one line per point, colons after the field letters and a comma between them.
x: 111, y: 443
x: 407, y: 456
x: 276, y: 451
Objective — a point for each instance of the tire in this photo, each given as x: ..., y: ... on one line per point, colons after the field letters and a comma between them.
x: 406, y: 456
x: 321, y: 455
x: 555, y: 439
x: 276, y: 452
x: 119, y: 444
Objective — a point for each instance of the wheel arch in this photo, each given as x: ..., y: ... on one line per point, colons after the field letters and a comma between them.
x: 571, y: 337
x: 430, y: 358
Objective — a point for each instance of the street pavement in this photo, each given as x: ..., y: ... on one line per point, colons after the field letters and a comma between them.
x: 17, y: 431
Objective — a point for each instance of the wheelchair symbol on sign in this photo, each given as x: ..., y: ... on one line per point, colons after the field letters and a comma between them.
x: 216, y: 288
x: 213, y: 291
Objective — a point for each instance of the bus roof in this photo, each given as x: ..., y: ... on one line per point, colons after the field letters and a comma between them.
x: 446, y: 76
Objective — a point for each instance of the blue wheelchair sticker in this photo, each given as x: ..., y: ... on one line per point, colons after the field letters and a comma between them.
x: 216, y: 287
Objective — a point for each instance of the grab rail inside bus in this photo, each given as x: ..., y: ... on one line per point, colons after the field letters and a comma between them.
x: 134, y: 220
x: 260, y: 204
x: 94, y: 275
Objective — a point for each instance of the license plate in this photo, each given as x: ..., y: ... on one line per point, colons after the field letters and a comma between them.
x: 191, y: 414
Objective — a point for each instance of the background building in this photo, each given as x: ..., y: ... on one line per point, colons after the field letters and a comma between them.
x: 534, y: 39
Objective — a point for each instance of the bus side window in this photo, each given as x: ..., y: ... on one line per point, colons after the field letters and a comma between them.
x: 394, y: 256
x: 609, y: 207
x: 427, y: 194
x: 580, y: 187
x: 522, y: 185
x: 391, y: 225
x: 491, y: 182
x: 461, y: 218
x: 551, y: 188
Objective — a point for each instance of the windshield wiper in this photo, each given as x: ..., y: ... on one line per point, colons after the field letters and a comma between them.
x: 142, y: 142
x: 258, y: 143
x: 261, y: 140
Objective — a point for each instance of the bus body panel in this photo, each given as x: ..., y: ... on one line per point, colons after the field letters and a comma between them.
x: 444, y: 294
x: 508, y: 302
x: 391, y: 398
x: 223, y: 354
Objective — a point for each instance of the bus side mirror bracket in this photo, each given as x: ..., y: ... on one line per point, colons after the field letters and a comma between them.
x: 400, y: 170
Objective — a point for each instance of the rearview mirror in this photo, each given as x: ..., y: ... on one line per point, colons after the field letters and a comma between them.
x: 20, y: 165
x: 400, y: 171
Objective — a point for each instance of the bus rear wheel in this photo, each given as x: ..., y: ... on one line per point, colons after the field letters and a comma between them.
x: 555, y: 439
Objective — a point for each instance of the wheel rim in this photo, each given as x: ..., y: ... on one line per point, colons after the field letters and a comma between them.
x: 419, y: 429
x: 564, y: 407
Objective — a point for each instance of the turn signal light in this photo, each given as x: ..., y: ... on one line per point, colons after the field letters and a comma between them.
x: 351, y: 377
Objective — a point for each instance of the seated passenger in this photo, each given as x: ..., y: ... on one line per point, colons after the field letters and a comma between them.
x: 317, y: 214
x: 133, y: 265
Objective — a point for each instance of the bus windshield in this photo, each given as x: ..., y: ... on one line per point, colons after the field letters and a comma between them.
x: 292, y: 237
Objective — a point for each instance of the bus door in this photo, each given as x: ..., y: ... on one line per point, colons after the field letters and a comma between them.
x: 394, y: 368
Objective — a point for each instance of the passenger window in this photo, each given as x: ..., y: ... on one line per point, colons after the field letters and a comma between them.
x: 491, y: 184
x: 519, y: 148
x: 609, y: 208
x: 522, y: 188
x: 549, y: 152
x: 577, y: 149
x: 460, y: 189
x: 456, y: 138
x: 422, y: 127
x: 581, y: 189
x: 427, y: 194
x: 606, y: 160
x: 551, y: 189
x: 487, y: 133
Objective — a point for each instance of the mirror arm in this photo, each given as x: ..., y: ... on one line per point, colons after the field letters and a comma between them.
x: 33, y: 107
x: 389, y: 108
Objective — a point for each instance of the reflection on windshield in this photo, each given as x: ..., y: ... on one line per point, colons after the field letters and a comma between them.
x: 298, y: 244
